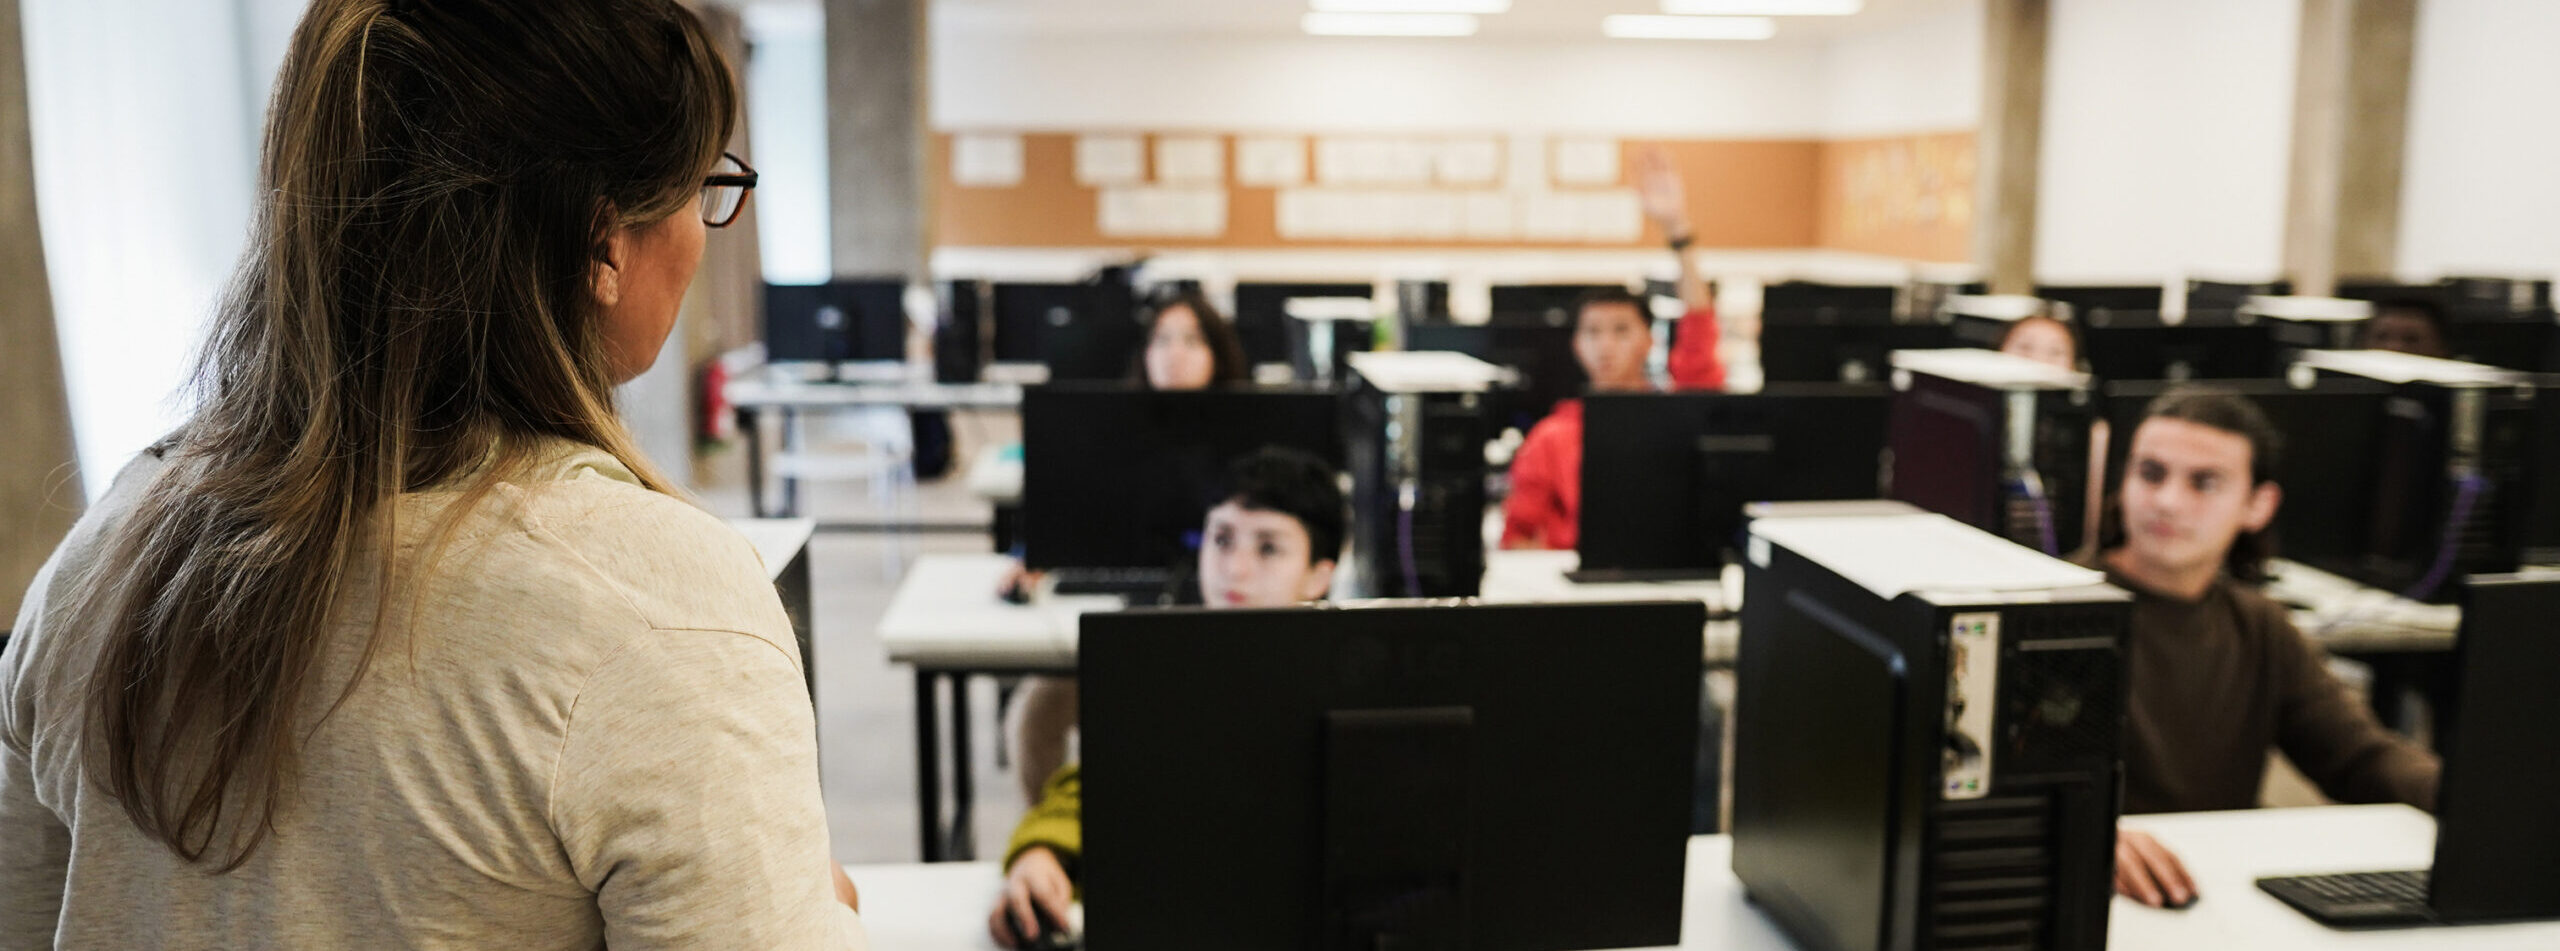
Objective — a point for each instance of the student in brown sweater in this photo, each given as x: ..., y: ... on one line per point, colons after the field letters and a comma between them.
x: 2219, y: 674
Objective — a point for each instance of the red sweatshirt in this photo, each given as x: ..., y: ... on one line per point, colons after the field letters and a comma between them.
x: 1545, y: 507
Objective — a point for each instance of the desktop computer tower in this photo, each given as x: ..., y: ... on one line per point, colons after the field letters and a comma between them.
x: 1997, y: 442
x: 1416, y: 458
x: 2458, y: 458
x: 1918, y: 767
x: 962, y: 332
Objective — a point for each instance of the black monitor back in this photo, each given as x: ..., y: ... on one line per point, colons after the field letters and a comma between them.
x: 960, y: 333
x: 1082, y: 331
x: 1120, y: 477
x: 1827, y: 333
x: 1262, y: 314
x: 2497, y: 835
x: 2139, y: 345
x: 1541, y: 353
x: 2223, y: 298
x: 835, y: 322
x: 1551, y: 304
x: 1512, y: 778
x: 1670, y: 472
x: 2331, y: 437
x: 2087, y: 300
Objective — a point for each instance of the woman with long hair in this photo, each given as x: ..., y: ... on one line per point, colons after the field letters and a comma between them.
x: 399, y: 641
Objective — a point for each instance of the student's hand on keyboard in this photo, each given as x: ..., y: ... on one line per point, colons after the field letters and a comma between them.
x: 2148, y: 873
x: 1036, y: 879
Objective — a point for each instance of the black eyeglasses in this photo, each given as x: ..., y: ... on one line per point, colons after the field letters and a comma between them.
x: 724, y: 193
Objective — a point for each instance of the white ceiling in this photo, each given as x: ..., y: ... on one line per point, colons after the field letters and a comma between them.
x: 1527, y: 19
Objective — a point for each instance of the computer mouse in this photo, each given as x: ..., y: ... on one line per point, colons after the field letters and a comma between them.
x: 1018, y: 592
x: 2180, y: 905
x: 1050, y: 936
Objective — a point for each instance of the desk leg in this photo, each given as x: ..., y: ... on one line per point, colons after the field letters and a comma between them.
x: 964, y: 834
x: 791, y: 445
x: 751, y: 422
x: 928, y: 766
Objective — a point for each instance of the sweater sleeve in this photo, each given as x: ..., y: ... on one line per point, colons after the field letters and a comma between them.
x: 1056, y: 821
x: 1535, y: 506
x: 686, y: 798
x: 2331, y: 735
x: 35, y: 844
x: 1695, y: 363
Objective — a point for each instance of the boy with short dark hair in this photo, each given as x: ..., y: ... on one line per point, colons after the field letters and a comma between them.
x: 1273, y: 542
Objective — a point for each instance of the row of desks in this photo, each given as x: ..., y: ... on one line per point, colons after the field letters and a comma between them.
x: 946, y: 622
x: 944, y: 907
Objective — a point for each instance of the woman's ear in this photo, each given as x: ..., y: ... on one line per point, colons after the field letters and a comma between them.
x: 1318, y: 581
x: 604, y: 274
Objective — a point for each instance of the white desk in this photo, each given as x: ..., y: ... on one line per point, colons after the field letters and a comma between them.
x: 946, y: 621
x: 944, y: 907
x: 2349, y: 617
x: 750, y: 396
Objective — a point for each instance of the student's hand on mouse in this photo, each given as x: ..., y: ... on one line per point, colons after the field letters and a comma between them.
x: 1017, y: 584
x: 1035, y: 879
x: 2147, y: 872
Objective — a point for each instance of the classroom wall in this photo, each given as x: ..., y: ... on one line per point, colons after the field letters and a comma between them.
x: 2482, y: 186
x: 2167, y: 131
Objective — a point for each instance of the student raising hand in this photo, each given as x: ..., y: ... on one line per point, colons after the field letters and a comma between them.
x: 2148, y: 872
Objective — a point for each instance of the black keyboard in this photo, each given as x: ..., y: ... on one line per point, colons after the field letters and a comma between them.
x: 2356, y: 899
x: 1640, y: 575
x: 1134, y: 583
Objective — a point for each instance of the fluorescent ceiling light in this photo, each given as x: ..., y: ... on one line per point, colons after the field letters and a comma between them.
x: 1388, y: 24
x: 1763, y: 8
x: 1410, y: 6
x: 1636, y: 27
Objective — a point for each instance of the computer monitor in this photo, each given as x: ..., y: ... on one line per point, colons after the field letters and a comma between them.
x: 2086, y: 300
x: 837, y: 322
x: 1666, y: 475
x: 2497, y: 854
x: 2331, y: 431
x: 1551, y: 304
x: 2223, y: 298
x: 1262, y: 314
x: 1119, y: 478
x: 1994, y: 441
x: 961, y: 332
x: 1083, y: 331
x: 1539, y: 352
x: 1443, y: 777
x: 1833, y: 333
x: 1927, y: 737
x: 1422, y: 302
x: 2207, y: 345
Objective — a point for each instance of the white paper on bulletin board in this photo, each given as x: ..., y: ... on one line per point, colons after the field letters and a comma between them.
x: 1489, y: 216
x: 1271, y: 162
x: 1191, y: 160
x: 1162, y: 212
x: 1587, y: 162
x: 1470, y: 162
x: 1364, y: 161
x: 1110, y: 160
x: 986, y: 160
x: 1526, y: 165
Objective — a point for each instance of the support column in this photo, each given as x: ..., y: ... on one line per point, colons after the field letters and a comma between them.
x: 2350, y: 130
x: 2010, y: 143
x: 876, y: 137
x: 40, y: 491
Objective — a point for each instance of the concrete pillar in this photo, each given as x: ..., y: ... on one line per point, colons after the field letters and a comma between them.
x: 40, y: 493
x: 2350, y: 129
x: 877, y: 137
x: 2009, y: 143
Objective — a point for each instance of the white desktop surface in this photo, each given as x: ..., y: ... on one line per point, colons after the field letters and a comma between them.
x: 2347, y: 616
x: 757, y: 393
x: 776, y: 540
x: 944, y: 907
x: 946, y: 613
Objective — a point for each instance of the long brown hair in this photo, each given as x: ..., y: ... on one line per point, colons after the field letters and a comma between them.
x: 1227, y: 364
x: 414, y: 310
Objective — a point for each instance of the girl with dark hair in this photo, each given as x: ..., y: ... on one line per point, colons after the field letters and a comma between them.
x: 399, y: 641
x: 1190, y: 346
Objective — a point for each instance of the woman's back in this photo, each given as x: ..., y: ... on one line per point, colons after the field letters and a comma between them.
x: 595, y: 730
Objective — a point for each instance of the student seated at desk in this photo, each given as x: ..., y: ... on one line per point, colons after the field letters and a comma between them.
x: 2045, y: 339
x: 2218, y: 673
x: 1612, y: 339
x: 2408, y: 325
x: 1272, y: 543
x: 1189, y: 346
